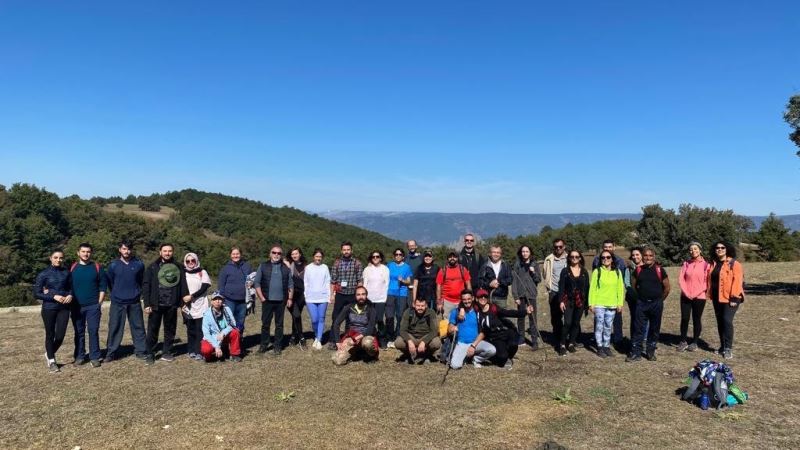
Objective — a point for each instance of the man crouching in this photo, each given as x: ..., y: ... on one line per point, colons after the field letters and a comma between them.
x: 419, y: 330
x: 359, y: 340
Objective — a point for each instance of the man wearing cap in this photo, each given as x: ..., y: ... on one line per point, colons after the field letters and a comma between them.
x: 359, y: 338
x: 164, y: 289
x: 219, y: 332
x: 419, y: 330
x: 450, y: 281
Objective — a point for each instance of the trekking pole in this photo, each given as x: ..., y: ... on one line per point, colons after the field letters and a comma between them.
x: 450, y: 356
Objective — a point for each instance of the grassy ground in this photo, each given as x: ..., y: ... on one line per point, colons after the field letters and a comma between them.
x: 162, y: 214
x: 390, y: 405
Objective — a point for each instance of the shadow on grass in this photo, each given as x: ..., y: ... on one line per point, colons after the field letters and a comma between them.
x: 774, y: 288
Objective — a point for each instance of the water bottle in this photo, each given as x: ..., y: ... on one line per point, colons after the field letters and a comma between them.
x: 704, y: 401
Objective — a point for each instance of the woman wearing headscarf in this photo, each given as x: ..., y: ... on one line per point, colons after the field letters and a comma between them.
x: 198, y: 281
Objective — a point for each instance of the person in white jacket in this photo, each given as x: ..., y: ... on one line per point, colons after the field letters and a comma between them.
x: 317, y: 282
x: 376, y: 280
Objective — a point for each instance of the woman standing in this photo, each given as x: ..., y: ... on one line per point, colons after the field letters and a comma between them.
x: 317, y: 284
x: 693, y: 280
x: 606, y: 294
x: 726, y: 291
x: 525, y: 279
x: 573, y: 288
x: 425, y: 279
x: 53, y: 287
x: 297, y: 264
x: 198, y: 281
x: 498, y: 329
x: 376, y: 280
x: 630, y: 292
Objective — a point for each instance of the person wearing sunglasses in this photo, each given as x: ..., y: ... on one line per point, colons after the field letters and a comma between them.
x: 470, y: 259
x: 552, y: 268
x: 616, y: 332
x: 606, y: 295
x: 376, y: 280
x: 274, y: 288
x: 198, y: 281
x: 573, y: 288
x: 652, y: 287
x: 425, y: 279
x: 400, y: 278
x: 726, y: 291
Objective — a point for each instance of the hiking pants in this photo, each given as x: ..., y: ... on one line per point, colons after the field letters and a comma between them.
x: 270, y: 309
x: 648, y: 319
x: 169, y: 315
x: 340, y: 302
x: 691, y: 309
x: 83, y: 317
x: 483, y: 351
x: 556, y: 317
x: 296, y: 311
x: 724, y: 314
x: 572, y: 325
x: 533, y: 328
x: 55, y: 327
x: 603, y: 322
x: 117, y: 313
x: 430, y: 349
x: 239, y: 310
x: 194, y: 334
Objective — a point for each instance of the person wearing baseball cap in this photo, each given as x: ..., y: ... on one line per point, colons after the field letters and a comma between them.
x: 450, y: 281
x: 220, y: 332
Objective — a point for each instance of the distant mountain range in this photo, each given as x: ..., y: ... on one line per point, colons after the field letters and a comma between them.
x: 446, y: 228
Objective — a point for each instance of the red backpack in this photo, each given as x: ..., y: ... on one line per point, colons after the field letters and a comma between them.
x: 75, y: 264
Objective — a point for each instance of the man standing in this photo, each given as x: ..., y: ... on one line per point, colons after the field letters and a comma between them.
x: 89, y: 286
x: 359, y: 337
x: 554, y: 263
x: 274, y: 288
x: 652, y: 287
x: 419, y: 329
x: 347, y: 274
x: 125, y: 276
x: 470, y: 258
x: 609, y: 246
x: 495, y: 276
x: 414, y: 260
x: 164, y: 290
x: 451, y: 280
x: 233, y: 286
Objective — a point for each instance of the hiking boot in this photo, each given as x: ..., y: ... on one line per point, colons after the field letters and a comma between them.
x: 79, y: 362
x: 608, y: 353
x: 53, y: 367
x: 95, y: 363
x: 476, y: 364
x: 167, y: 357
x: 562, y: 351
x: 508, y: 365
x: 571, y: 348
x: 601, y: 352
x: 302, y: 344
x: 332, y: 346
x: 262, y: 348
x: 683, y: 346
x: 692, y: 347
x: 109, y: 358
x: 236, y: 358
x: 651, y: 355
x: 149, y: 361
x: 276, y: 351
x: 141, y: 356
x: 727, y: 354
x: 633, y: 358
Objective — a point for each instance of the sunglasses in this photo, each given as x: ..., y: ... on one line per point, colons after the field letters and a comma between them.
x: 191, y: 260
x: 469, y: 240
x: 574, y: 257
x: 276, y: 253
x: 398, y: 254
x: 605, y: 257
x: 720, y: 248
x: 558, y: 246
x: 376, y: 256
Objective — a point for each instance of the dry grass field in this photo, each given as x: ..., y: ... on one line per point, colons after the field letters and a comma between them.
x: 186, y: 404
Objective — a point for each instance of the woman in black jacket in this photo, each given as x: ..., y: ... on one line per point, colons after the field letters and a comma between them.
x: 524, y: 288
x: 425, y: 280
x: 53, y: 287
x: 497, y: 329
x: 573, y: 288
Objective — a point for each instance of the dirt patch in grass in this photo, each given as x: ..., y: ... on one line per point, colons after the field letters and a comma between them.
x: 186, y: 404
x: 163, y: 214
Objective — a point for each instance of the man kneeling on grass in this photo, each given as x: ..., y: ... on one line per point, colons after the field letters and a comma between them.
x: 468, y: 337
x: 359, y: 338
x: 219, y: 331
x: 419, y: 327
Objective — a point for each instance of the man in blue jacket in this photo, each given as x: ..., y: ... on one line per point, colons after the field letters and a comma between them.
x: 125, y: 276
x: 89, y: 288
x: 233, y: 286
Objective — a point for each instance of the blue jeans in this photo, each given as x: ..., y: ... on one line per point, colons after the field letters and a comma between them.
x: 400, y: 304
x: 116, y: 327
x: 239, y: 310
x: 83, y: 316
x: 603, y: 321
x: 317, y: 313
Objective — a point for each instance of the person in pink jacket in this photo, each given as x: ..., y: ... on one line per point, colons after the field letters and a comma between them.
x: 693, y: 280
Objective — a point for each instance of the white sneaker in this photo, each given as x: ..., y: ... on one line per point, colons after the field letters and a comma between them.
x: 390, y: 344
x: 317, y: 345
x: 476, y: 364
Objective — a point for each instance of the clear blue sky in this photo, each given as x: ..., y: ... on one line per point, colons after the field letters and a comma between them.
x: 415, y: 106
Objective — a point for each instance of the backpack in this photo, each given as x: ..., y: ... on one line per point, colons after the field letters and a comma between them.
x: 460, y: 269
x: 96, y: 267
x: 659, y: 271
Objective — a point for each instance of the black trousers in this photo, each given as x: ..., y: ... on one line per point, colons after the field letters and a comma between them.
x: 194, y: 334
x: 632, y: 302
x: 556, y: 316
x: 691, y: 309
x: 55, y: 327
x: 505, y: 349
x: 724, y: 314
x: 572, y: 324
x: 268, y: 311
x: 340, y: 302
x: 533, y: 328
x: 296, y: 311
x: 169, y: 315
x: 648, y: 317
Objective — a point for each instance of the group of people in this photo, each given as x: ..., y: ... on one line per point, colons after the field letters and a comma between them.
x: 462, y: 310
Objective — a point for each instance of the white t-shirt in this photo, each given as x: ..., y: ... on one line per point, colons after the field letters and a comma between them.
x: 496, y: 267
x: 195, y: 282
x: 317, y: 283
x: 376, y: 280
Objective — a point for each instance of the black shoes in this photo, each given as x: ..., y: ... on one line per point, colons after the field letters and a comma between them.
x: 633, y: 358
